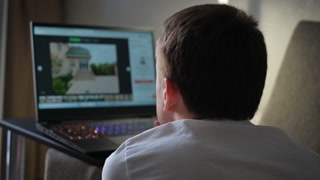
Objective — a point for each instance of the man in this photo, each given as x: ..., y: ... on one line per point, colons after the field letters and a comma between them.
x: 211, y: 69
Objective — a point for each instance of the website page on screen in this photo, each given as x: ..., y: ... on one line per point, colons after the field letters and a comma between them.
x: 86, y: 67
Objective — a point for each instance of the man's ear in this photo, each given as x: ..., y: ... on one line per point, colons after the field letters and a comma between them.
x: 170, y: 95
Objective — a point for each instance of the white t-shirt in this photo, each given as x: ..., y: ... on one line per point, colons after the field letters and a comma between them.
x: 203, y: 149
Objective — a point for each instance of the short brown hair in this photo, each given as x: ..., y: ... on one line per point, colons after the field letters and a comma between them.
x: 217, y: 57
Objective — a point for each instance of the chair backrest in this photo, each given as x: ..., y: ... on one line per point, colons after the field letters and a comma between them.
x: 294, y: 104
x: 60, y: 166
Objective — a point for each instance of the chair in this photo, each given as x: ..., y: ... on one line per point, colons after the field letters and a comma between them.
x: 60, y: 166
x: 294, y: 104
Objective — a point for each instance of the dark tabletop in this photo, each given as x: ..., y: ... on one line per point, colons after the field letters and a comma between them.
x: 27, y: 127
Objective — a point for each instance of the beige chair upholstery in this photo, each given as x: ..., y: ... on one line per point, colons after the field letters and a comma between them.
x: 60, y: 166
x: 294, y: 105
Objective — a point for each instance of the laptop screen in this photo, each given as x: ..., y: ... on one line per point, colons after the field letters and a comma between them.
x: 90, y: 71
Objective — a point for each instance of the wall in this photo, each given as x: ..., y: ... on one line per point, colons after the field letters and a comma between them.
x: 128, y: 13
x: 277, y: 21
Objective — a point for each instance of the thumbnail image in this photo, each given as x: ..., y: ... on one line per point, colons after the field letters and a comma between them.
x: 81, y: 68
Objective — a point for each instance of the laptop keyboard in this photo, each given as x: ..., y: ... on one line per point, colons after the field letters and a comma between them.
x: 103, y: 129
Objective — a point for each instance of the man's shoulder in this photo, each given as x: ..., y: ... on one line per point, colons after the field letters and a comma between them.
x: 187, y: 126
x: 183, y: 132
x: 153, y: 134
x: 222, y: 144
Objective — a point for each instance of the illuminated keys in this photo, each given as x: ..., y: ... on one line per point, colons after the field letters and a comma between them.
x: 103, y: 129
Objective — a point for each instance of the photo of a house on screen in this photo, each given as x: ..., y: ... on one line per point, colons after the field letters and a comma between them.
x: 82, y: 68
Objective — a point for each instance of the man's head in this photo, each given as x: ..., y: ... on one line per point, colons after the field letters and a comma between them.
x: 211, y: 63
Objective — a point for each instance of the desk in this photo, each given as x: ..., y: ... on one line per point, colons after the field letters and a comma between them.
x: 26, y: 127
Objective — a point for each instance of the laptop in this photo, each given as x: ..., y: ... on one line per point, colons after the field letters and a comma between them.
x: 94, y: 86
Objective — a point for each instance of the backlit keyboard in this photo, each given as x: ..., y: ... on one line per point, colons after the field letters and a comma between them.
x: 103, y: 129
